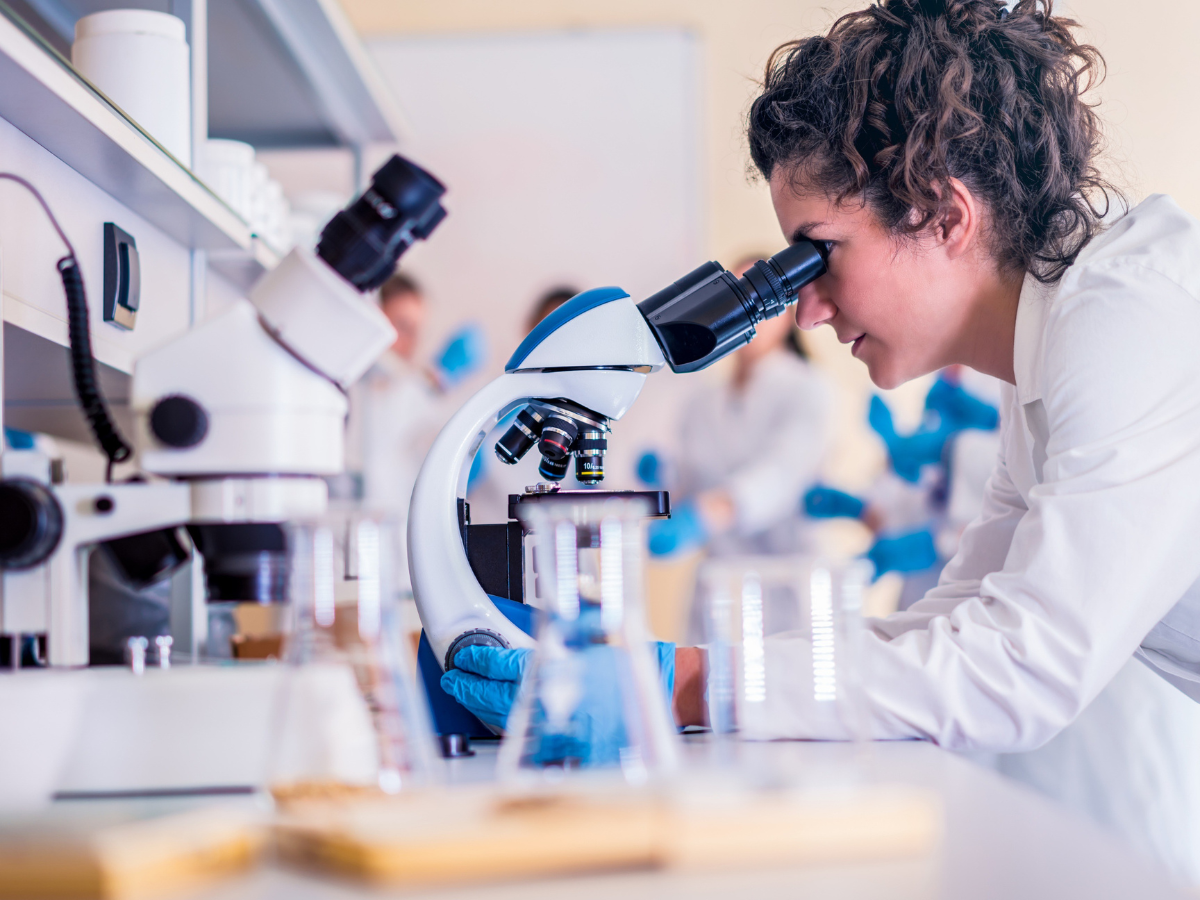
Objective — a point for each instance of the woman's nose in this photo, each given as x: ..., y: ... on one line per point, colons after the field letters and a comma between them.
x: 813, y: 309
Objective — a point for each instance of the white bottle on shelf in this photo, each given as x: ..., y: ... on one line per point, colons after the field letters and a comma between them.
x: 141, y: 61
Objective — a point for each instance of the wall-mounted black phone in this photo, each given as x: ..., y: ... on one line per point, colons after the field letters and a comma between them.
x: 122, y: 277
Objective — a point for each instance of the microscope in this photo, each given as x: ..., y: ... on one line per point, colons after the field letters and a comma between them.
x: 579, y: 370
x: 239, y: 419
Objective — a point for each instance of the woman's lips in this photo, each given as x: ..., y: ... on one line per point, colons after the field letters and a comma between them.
x: 857, y: 343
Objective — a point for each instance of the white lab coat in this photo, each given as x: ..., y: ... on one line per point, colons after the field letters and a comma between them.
x: 764, y: 444
x: 1086, y: 551
x: 395, y: 414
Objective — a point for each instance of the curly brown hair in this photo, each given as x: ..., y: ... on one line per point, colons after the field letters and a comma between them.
x: 902, y: 96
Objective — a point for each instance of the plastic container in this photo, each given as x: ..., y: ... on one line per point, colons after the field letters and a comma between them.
x: 140, y: 59
x: 227, y: 167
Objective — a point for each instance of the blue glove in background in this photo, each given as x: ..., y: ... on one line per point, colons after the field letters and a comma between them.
x: 462, y: 355
x: 958, y: 409
x: 488, y: 680
x: 907, y: 453
x: 823, y: 502
x: 682, y: 532
x: 18, y: 440
x: 650, y: 469
x: 912, y: 552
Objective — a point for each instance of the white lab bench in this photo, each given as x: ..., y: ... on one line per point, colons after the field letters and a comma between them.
x: 1001, y: 841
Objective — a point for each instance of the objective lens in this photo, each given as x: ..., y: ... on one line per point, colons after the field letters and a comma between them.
x: 522, y: 435
x: 589, y: 456
x: 558, y: 435
x: 554, y: 469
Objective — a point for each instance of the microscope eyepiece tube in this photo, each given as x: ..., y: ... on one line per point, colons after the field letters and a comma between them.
x: 708, y: 314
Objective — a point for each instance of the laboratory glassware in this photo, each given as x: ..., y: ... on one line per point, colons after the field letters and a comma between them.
x: 349, y: 715
x: 592, y: 697
x: 782, y: 634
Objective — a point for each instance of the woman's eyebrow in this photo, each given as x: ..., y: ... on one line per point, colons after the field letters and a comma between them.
x: 801, y: 232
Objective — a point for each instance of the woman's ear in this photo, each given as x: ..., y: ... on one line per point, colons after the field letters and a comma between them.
x: 956, y: 229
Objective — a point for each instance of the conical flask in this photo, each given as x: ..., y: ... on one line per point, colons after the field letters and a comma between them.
x: 349, y: 716
x: 592, y: 697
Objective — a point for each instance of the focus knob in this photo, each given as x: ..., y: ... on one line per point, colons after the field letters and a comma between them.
x: 179, y: 421
x: 31, y: 523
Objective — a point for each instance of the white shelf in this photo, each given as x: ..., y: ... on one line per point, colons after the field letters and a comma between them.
x: 349, y: 93
x: 58, y: 111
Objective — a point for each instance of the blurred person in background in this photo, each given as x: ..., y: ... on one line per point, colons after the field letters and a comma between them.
x: 397, y: 408
x: 748, y: 450
x: 918, y: 508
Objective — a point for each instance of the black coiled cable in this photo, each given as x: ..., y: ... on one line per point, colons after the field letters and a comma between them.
x: 83, y: 367
x: 83, y: 364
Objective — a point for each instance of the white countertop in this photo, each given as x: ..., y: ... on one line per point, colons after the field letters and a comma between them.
x: 1002, y: 841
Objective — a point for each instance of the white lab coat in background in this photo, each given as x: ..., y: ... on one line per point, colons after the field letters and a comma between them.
x: 1086, y: 551
x: 764, y: 444
x: 395, y: 414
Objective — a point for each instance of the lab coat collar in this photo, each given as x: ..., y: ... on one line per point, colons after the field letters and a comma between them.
x: 1029, y: 343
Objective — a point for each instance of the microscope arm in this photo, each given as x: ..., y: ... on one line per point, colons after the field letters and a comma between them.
x: 448, y: 595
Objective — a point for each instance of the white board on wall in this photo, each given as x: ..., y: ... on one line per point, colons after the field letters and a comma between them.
x: 569, y: 158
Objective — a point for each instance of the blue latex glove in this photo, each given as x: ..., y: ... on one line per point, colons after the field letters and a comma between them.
x: 912, y: 552
x: 462, y: 355
x: 682, y: 532
x: 486, y: 681
x: 650, y: 469
x: 958, y: 409
x: 827, y: 503
x: 907, y: 453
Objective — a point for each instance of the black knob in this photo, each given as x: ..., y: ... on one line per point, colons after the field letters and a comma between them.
x: 31, y: 523
x: 179, y: 421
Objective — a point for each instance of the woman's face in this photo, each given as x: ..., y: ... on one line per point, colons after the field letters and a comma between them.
x: 899, y: 303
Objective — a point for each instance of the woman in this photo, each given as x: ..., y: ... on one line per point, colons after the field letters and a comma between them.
x: 942, y: 151
x: 944, y: 154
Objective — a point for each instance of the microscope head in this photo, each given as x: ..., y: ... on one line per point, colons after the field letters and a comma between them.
x: 698, y: 320
x: 598, y: 330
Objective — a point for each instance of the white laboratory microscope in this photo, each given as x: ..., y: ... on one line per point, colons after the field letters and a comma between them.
x: 242, y: 416
x: 578, y: 370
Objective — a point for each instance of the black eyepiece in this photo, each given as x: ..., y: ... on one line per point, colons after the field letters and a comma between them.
x: 365, y: 240
x: 708, y: 313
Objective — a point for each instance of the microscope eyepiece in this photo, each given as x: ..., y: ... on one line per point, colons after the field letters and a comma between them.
x: 364, y: 241
x: 708, y: 313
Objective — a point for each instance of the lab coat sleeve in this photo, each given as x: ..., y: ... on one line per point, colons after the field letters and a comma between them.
x: 769, y: 489
x: 1105, y: 549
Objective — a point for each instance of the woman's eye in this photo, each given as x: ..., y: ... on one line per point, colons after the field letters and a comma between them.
x: 823, y: 247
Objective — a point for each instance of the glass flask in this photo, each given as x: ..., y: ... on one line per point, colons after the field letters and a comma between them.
x: 592, y: 697
x: 349, y: 716
x: 782, y: 640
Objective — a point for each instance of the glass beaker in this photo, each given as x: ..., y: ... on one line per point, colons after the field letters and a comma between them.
x: 349, y: 714
x: 782, y: 637
x: 593, y: 697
